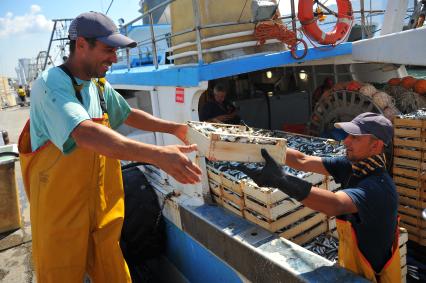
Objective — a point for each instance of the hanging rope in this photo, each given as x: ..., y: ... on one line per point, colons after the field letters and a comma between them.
x: 275, y: 30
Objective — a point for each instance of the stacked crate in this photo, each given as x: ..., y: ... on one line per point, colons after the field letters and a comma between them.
x: 270, y: 208
x: 7, y: 97
x: 409, y: 174
x: 226, y: 190
x: 276, y: 212
x: 403, y: 239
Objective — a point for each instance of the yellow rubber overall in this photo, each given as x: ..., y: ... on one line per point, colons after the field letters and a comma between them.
x: 350, y: 257
x: 77, y: 211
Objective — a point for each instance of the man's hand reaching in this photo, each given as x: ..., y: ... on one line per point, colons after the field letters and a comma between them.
x: 272, y: 175
x: 173, y: 161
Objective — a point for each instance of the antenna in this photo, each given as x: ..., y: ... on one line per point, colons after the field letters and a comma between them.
x: 59, y: 34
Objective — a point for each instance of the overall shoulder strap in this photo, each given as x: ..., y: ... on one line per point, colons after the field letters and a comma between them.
x: 75, y: 85
x: 100, y: 84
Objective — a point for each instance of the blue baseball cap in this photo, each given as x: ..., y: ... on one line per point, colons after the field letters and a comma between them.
x: 369, y: 123
x: 99, y: 26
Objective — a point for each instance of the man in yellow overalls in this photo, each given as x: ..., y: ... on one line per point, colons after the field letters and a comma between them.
x: 70, y: 158
x: 366, y: 207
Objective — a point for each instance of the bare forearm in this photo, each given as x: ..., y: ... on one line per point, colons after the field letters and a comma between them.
x: 303, y: 162
x: 330, y: 203
x: 144, y: 121
x: 103, y: 140
x: 294, y: 159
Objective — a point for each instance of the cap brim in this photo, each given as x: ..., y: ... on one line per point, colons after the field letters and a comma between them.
x: 118, y: 40
x: 349, y: 128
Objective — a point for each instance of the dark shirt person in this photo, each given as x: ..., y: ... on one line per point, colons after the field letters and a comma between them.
x: 219, y: 110
x: 421, y: 18
x: 365, y: 207
x: 326, y: 85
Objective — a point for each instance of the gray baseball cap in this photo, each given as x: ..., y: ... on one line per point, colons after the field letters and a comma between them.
x: 99, y: 26
x: 369, y: 123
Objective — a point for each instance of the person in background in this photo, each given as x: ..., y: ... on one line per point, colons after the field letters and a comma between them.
x: 70, y: 152
x: 421, y: 18
x: 21, y: 93
x: 218, y: 109
x: 27, y: 90
x: 365, y: 207
x: 326, y: 85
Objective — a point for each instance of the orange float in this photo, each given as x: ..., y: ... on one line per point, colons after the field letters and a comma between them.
x: 340, y: 86
x: 394, y: 81
x: 353, y: 86
x: 420, y: 87
x: 408, y: 82
x: 312, y: 30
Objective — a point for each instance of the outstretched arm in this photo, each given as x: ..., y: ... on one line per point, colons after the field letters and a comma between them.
x: 329, y: 203
x: 303, y: 162
x: 94, y: 137
x: 144, y: 121
x: 272, y: 175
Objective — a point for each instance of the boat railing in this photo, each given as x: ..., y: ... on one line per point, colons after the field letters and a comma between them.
x: 288, y: 20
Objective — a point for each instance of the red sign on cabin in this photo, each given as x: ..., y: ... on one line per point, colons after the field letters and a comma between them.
x: 180, y: 95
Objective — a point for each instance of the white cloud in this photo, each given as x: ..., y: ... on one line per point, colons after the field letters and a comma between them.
x: 35, y: 9
x: 31, y: 22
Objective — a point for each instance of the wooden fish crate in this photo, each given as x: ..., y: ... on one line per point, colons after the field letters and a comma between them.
x: 276, y: 212
x: 226, y: 190
x: 233, y: 207
x: 224, y: 180
x: 215, y: 188
x: 411, y: 219
x: 403, y: 239
x: 214, y: 148
x: 271, y: 203
x: 270, y: 208
x: 409, y: 175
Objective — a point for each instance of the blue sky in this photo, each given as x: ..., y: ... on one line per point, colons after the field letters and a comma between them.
x: 25, y: 25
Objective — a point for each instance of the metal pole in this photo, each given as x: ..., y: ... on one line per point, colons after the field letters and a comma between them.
x: 362, y: 20
x: 154, y: 46
x: 127, y: 52
x: 293, y: 16
x: 314, y: 76
x: 336, y: 76
x: 197, y: 30
x: 50, y: 45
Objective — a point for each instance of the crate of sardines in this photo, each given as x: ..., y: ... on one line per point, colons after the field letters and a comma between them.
x: 221, y: 142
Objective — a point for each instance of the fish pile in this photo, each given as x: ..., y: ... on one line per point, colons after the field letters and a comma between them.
x: 241, y: 134
x: 308, y: 145
x: 313, y: 145
x: 324, y: 245
x: 230, y: 168
x: 419, y: 114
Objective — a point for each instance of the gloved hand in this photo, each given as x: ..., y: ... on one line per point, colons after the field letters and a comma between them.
x: 272, y: 175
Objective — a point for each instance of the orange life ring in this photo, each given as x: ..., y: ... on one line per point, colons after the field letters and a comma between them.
x: 311, y: 28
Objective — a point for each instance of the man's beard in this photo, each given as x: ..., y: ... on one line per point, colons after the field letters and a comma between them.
x: 92, y: 71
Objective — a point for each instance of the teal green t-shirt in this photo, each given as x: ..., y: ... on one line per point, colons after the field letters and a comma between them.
x: 56, y: 111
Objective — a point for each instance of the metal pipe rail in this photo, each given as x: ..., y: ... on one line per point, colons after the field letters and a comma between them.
x: 198, y: 27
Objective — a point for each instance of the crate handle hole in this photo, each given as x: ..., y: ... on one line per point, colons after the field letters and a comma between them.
x: 254, y: 233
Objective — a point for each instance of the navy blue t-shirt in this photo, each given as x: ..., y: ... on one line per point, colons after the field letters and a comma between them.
x: 376, y: 199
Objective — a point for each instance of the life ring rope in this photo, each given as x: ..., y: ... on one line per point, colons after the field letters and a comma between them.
x: 311, y: 29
